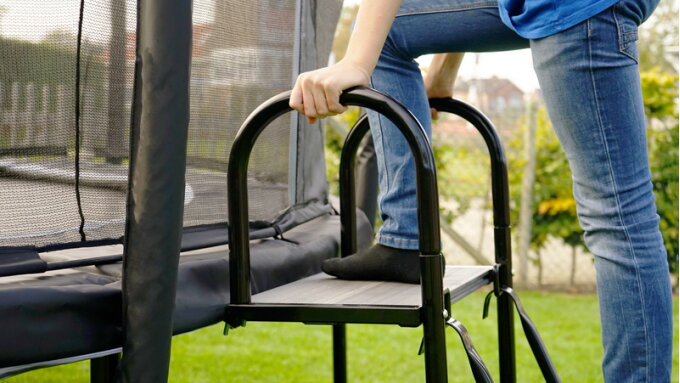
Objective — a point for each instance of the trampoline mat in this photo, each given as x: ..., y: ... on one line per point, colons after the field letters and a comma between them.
x: 70, y: 313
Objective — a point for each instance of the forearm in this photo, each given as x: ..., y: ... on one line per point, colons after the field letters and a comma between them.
x: 372, y: 25
x: 316, y: 93
x: 442, y: 73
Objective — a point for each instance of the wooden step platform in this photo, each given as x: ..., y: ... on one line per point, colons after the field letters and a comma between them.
x: 321, y: 289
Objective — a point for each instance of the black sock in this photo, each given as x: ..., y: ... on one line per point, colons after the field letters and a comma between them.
x: 377, y: 263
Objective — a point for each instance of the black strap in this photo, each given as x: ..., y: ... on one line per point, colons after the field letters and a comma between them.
x: 530, y: 332
x: 279, y: 235
x: 479, y: 370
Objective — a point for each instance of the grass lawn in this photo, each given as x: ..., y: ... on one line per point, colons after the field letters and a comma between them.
x: 282, y: 352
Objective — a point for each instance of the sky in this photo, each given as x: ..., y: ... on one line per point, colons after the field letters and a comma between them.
x: 514, y: 65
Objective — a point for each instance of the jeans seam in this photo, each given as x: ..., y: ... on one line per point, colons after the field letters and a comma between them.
x: 616, y: 195
x: 426, y: 11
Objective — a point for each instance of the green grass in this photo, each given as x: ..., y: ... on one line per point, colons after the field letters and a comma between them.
x: 282, y: 352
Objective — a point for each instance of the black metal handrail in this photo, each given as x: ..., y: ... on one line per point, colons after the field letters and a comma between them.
x: 347, y: 182
x: 499, y: 167
x: 501, y: 217
x: 428, y: 211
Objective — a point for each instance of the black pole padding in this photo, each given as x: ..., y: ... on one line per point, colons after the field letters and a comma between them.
x: 156, y: 187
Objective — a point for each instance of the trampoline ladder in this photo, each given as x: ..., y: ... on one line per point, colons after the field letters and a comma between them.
x: 321, y: 299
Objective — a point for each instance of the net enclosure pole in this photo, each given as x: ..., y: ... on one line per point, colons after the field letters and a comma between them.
x: 156, y: 187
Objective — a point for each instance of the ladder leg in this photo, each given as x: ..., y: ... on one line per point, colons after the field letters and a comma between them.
x: 104, y: 369
x: 339, y: 353
x: 506, y: 339
x: 435, y: 349
x: 434, y: 318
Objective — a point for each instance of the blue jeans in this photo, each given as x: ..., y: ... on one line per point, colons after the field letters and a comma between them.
x: 590, y: 81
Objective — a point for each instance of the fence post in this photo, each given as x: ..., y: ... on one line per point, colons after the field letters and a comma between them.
x: 29, y: 115
x: 43, y: 117
x: 63, y: 121
x: 526, y: 207
x: 16, y: 119
x: 2, y: 111
x: 117, y: 118
x: 86, y: 123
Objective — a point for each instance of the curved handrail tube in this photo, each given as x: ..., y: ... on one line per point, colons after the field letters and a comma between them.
x: 499, y: 173
x: 501, y: 214
x: 499, y: 180
x: 426, y: 181
x: 347, y: 185
x: 500, y: 193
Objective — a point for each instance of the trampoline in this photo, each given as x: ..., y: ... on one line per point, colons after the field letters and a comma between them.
x: 120, y: 225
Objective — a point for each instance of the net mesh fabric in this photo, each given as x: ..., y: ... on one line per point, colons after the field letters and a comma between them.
x: 39, y: 203
x: 53, y: 191
x: 242, y: 56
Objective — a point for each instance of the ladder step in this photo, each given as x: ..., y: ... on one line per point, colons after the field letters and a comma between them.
x: 321, y: 289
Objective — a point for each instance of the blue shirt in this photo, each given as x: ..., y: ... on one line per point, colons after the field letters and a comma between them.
x: 534, y: 19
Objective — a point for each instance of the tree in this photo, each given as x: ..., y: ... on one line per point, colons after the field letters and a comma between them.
x: 658, y: 39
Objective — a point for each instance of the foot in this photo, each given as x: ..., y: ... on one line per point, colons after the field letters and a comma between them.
x: 377, y: 263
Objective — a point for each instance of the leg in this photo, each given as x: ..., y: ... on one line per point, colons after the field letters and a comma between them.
x: 589, y: 76
x: 421, y: 27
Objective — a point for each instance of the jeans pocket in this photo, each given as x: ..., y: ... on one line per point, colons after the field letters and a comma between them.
x: 627, y: 27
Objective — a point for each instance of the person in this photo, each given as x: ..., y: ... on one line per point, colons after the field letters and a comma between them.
x: 585, y: 58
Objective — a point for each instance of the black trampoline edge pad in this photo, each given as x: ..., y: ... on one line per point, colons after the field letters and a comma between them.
x: 77, y: 312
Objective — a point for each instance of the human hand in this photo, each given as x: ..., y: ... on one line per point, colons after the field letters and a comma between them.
x: 316, y: 94
x: 441, y: 77
x: 438, y: 91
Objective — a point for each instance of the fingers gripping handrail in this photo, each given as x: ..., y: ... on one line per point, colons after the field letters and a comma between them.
x: 428, y: 205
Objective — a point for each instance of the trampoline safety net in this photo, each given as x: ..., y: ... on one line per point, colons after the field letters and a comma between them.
x: 66, y: 110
